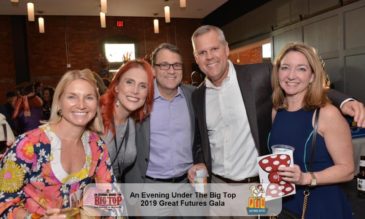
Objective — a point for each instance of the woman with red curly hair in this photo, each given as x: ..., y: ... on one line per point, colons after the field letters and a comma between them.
x: 127, y: 100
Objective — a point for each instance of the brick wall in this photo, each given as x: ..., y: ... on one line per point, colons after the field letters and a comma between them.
x: 7, y: 67
x: 78, y: 40
x: 249, y: 56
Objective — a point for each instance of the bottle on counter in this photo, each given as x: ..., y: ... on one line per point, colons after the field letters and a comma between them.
x: 361, y: 178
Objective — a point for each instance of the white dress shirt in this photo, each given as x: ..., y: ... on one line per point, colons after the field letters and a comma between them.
x: 232, y: 146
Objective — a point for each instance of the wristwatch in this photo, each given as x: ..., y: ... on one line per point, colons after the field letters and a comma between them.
x: 313, y: 180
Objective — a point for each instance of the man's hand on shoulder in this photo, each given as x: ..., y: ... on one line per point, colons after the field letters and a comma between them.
x: 355, y: 109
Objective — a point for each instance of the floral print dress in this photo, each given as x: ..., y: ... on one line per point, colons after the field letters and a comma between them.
x: 31, y: 174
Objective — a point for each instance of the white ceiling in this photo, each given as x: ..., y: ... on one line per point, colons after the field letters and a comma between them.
x: 134, y: 8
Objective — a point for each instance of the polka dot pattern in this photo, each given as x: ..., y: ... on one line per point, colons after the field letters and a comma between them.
x: 270, y: 164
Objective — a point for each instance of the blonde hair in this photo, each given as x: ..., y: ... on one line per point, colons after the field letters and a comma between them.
x: 316, y: 95
x: 86, y: 74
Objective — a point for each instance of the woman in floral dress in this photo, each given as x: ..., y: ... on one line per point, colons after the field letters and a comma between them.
x: 48, y: 164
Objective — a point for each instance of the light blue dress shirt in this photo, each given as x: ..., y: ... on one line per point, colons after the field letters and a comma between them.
x: 170, y: 137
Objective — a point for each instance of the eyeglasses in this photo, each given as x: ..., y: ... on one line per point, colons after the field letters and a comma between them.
x: 167, y: 66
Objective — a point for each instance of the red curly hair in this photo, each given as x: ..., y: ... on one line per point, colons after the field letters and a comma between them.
x: 107, y: 100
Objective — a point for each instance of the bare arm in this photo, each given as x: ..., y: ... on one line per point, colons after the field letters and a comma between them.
x: 335, y: 130
x: 333, y: 127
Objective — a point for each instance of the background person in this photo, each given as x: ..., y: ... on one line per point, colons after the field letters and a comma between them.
x: 197, y: 78
x: 48, y: 164
x: 100, y: 82
x: 47, y: 102
x: 128, y: 99
x: 28, y: 109
x: 299, y: 88
x: 6, y: 135
x: 7, y: 109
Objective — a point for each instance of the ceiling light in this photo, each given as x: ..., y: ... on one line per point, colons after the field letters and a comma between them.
x: 156, y: 28
x: 30, y: 8
x: 14, y: 1
x: 41, y: 24
x: 102, y: 20
x: 182, y: 3
x: 103, y: 6
x: 167, y: 14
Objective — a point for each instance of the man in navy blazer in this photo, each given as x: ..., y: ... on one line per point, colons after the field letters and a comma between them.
x: 233, y: 110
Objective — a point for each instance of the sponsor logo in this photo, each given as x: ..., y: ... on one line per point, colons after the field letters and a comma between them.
x: 256, y: 201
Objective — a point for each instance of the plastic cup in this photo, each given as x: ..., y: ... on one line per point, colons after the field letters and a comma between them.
x: 200, y: 181
x: 284, y: 149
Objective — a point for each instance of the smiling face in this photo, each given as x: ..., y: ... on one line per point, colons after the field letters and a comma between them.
x: 78, y: 103
x: 295, y: 74
x: 168, y: 80
x: 211, y: 54
x: 132, y: 89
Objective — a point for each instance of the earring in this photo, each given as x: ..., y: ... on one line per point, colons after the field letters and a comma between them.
x: 145, y: 108
x: 59, y: 113
x: 117, y: 103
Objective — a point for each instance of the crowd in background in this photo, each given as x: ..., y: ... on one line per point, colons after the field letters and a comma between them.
x: 27, y: 106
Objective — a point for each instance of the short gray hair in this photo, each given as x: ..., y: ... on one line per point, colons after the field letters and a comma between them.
x: 205, y: 29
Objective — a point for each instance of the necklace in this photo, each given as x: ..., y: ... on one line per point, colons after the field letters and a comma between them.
x: 118, y: 149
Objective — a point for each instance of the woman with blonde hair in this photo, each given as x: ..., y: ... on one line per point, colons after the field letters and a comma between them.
x: 299, y: 97
x: 49, y: 164
x: 127, y: 100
